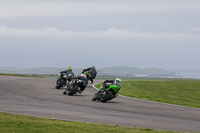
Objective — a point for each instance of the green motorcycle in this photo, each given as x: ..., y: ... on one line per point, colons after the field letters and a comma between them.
x: 89, y: 77
x: 106, y: 92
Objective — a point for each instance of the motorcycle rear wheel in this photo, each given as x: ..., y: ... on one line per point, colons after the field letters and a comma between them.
x: 107, y: 97
x: 73, y: 90
x: 59, y: 84
x: 94, y: 98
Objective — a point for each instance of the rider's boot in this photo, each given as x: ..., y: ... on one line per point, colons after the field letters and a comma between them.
x: 79, y: 91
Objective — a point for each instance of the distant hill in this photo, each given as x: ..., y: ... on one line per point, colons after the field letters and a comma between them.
x: 132, y: 71
x: 36, y: 70
x: 107, y: 71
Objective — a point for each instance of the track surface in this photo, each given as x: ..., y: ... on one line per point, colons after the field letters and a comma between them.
x: 38, y: 97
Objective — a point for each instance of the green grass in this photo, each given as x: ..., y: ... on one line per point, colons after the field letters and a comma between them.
x: 143, y: 78
x: 20, y: 75
x: 47, y: 76
x: 10, y: 123
x: 178, y: 92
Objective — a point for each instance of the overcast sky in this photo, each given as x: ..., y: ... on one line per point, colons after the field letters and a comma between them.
x: 81, y: 33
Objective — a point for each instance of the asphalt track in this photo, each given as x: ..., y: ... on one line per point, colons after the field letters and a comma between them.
x: 38, y: 97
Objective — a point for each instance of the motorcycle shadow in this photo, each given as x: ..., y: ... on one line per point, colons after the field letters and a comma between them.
x: 77, y: 95
x: 62, y: 89
x: 108, y: 102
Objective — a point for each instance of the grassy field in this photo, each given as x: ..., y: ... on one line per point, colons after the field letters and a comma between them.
x: 10, y: 123
x: 144, y: 78
x: 179, y: 92
x: 21, y: 75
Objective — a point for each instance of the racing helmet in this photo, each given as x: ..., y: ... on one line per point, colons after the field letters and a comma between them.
x: 87, y: 75
x: 69, y: 68
x: 83, y: 75
x: 118, y: 80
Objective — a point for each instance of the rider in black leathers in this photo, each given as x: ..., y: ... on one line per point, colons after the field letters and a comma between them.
x: 68, y: 71
x: 84, y: 82
x: 92, y: 71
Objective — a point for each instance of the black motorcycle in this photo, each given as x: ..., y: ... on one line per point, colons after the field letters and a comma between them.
x: 73, y: 87
x: 62, y: 79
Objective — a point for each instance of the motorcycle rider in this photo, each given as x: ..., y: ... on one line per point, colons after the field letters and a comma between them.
x: 92, y: 71
x: 63, y: 77
x: 113, y: 82
x: 83, y: 77
x: 68, y: 72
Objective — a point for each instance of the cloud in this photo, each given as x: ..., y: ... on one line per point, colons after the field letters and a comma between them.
x: 139, y: 32
x: 22, y: 9
x: 193, y: 29
x: 112, y: 33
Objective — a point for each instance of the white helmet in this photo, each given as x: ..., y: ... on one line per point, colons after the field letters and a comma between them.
x: 118, y: 79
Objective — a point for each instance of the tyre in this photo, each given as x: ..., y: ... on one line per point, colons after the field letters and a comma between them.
x: 73, y: 90
x: 94, y: 98
x: 64, y: 92
x: 60, y: 84
x: 57, y: 82
x: 107, y: 97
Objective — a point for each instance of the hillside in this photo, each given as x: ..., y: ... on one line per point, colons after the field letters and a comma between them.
x: 107, y: 71
x: 132, y: 71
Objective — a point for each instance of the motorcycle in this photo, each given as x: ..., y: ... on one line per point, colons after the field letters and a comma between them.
x: 73, y: 87
x: 107, y: 92
x: 62, y: 79
x: 89, y: 77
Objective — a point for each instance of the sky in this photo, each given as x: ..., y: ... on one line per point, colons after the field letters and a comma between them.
x: 81, y: 33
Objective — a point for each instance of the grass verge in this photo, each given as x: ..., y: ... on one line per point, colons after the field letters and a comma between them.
x: 10, y: 123
x: 20, y: 75
x: 178, y: 92
x: 144, y: 78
